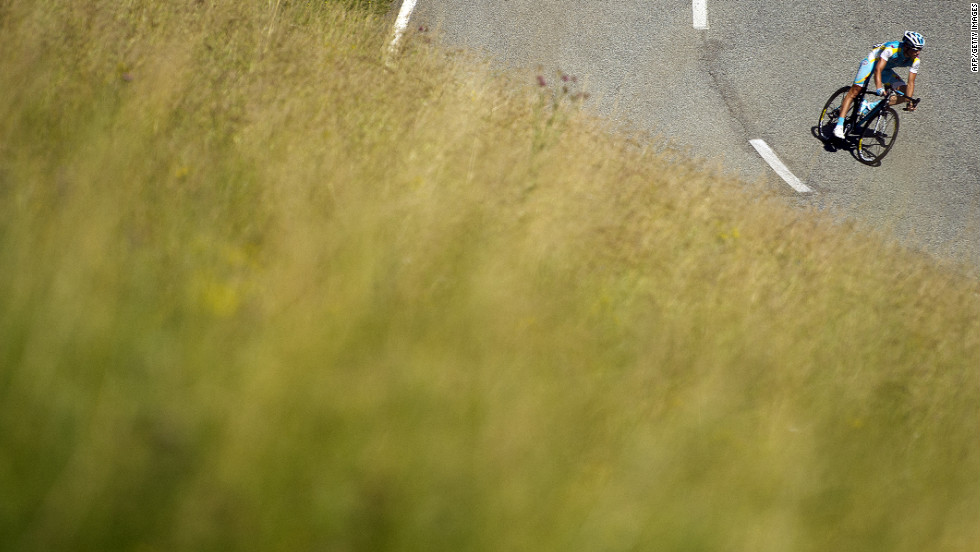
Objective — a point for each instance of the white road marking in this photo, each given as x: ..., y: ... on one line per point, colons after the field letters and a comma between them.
x: 770, y: 156
x: 700, y: 14
x: 404, y: 14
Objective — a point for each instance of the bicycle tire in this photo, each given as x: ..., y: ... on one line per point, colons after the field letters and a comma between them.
x: 830, y: 112
x: 877, y: 136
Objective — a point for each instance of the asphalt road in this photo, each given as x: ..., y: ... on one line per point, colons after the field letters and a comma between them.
x: 762, y: 70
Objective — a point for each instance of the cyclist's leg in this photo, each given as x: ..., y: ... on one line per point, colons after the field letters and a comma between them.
x: 848, y: 100
x: 890, y: 78
x: 845, y: 107
x: 864, y: 71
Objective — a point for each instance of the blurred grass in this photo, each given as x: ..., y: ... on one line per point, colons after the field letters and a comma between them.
x: 259, y: 290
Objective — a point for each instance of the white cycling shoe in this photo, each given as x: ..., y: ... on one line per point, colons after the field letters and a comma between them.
x: 839, y: 131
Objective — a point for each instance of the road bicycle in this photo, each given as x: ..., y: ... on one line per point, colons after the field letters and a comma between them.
x: 870, y: 132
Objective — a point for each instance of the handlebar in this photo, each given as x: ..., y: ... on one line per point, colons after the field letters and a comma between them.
x: 913, y: 102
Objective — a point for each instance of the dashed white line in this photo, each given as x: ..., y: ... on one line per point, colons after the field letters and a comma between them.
x: 770, y: 156
x: 700, y: 8
x: 700, y: 21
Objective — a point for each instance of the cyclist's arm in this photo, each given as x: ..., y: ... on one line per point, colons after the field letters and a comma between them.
x: 879, y: 67
x: 910, y: 91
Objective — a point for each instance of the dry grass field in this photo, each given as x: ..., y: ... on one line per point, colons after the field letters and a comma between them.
x: 260, y: 290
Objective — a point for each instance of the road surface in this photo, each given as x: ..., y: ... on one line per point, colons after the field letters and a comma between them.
x: 761, y: 70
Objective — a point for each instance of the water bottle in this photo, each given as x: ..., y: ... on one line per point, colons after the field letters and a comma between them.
x: 867, y: 106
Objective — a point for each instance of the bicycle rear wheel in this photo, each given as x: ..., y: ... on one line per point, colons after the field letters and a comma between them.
x: 831, y: 110
x: 877, y: 136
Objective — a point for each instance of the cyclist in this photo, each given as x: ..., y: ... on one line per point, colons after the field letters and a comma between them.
x: 881, y: 63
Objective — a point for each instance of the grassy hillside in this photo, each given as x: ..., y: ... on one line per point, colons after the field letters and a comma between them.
x: 259, y: 291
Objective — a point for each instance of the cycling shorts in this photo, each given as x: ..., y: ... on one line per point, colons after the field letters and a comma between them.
x: 888, y: 76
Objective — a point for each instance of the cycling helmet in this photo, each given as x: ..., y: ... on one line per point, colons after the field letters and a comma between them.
x: 913, y: 40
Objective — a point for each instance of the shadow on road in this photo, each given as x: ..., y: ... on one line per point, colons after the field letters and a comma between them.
x: 834, y: 144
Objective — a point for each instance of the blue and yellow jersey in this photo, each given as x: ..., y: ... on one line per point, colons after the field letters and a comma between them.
x: 894, y: 56
x: 892, y: 51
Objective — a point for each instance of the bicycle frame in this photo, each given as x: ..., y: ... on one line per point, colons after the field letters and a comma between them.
x: 874, y: 110
x: 857, y: 120
x: 852, y: 121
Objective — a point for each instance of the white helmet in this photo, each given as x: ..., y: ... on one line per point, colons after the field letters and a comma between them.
x: 913, y: 40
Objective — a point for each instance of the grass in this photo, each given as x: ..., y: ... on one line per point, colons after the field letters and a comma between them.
x: 260, y: 290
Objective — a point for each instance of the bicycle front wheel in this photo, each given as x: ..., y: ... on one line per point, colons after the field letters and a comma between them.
x: 831, y: 110
x: 877, y: 136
